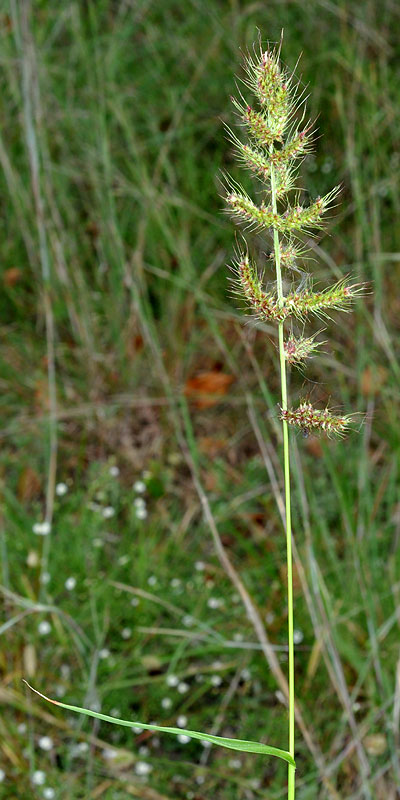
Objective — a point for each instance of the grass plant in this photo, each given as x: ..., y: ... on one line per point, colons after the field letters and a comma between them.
x: 128, y: 100
x: 282, y: 140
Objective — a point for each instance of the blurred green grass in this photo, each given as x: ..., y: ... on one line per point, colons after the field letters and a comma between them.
x: 128, y: 105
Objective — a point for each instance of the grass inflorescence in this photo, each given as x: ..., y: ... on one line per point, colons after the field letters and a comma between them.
x: 279, y: 147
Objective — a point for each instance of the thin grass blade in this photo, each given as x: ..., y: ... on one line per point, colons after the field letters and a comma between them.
x: 232, y: 744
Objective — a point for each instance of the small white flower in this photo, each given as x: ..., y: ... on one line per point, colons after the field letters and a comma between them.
x: 108, y: 512
x: 238, y: 637
x: 141, y: 513
x: 139, y: 487
x: 59, y: 691
x: 44, y: 627
x: 46, y: 743
x: 22, y: 727
x: 139, y: 502
x: 61, y: 489
x: 115, y: 712
x: 166, y: 703
x: 183, y: 739
x: 42, y: 528
x: 45, y: 578
x: 144, y: 751
x: 38, y: 777
x: 172, y: 680
x: 200, y: 780
x: 200, y: 566
x: 123, y: 560
x: 126, y: 633
x: 152, y: 580
x: 235, y: 763
x: 48, y: 793
x: 2, y: 775
x: 114, y: 471
x: 33, y: 559
x: 135, y: 601
x: 216, y: 680
x: 137, y: 730
x: 82, y: 747
x: 109, y: 754
x: 214, y: 602
x: 245, y: 674
x: 298, y: 637
x: 98, y: 542
x: 327, y: 166
x: 183, y: 687
x: 175, y: 583
x: 188, y: 621
x: 205, y: 744
x: 142, y: 768
x: 70, y: 583
x: 181, y: 722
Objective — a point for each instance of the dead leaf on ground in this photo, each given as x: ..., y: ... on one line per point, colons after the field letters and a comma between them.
x: 372, y: 379
x: 211, y: 446
x: 208, y: 387
x: 28, y: 484
x: 12, y: 276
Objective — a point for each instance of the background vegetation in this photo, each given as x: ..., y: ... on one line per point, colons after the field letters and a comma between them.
x: 158, y: 435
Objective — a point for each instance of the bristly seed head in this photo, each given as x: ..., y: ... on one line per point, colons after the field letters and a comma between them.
x: 280, y: 138
x: 313, y: 420
x: 298, y: 349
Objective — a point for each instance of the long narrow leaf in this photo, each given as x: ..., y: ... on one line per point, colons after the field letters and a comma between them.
x: 231, y: 744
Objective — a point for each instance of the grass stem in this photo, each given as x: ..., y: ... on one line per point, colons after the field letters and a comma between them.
x: 286, y: 459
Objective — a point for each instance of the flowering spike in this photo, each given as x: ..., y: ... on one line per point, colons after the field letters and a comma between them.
x: 289, y: 253
x: 244, y: 208
x: 298, y: 349
x: 312, y: 420
x: 294, y: 219
x: 260, y: 128
x: 297, y: 146
x: 337, y: 297
x: 271, y: 85
x: 265, y: 304
x: 300, y: 218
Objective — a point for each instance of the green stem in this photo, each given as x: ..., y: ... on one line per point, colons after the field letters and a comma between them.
x: 291, y: 770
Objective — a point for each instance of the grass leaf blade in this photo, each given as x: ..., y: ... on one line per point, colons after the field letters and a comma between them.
x: 232, y: 744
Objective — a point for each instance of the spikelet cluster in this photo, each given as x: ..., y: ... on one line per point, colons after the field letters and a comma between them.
x: 298, y: 348
x: 280, y: 137
x: 312, y: 420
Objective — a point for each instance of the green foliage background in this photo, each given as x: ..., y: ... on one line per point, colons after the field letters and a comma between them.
x: 128, y: 104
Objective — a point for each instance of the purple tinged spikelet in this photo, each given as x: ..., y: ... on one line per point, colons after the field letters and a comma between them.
x: 297, y: 349
x: 296, y: 218
x: 338, y: 297
x: 314, y: 420
x: 265, y: 304
x: 297, y: 304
